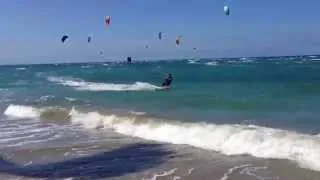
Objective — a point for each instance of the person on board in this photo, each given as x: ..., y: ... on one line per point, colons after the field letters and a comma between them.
x: 168, y: 80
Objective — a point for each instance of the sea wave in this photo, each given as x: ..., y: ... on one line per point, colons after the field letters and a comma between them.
x: 21, y: 69
x: 14, y: 133
x: 86, y: 66
x: 229, y: 139
x: 70, y: 99
x: 93, y: 86
x: 193, y: 61
x: 20, y: 111
x: 213, y: 63
x: 49, y: 113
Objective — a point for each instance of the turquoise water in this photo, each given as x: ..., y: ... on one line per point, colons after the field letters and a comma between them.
x: 277, y: 91
x: 264, y: 107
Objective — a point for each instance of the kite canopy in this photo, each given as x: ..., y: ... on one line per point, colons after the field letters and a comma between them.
x: 89, y: 39
x: 226, y: 10
x: 160, y: 35
x: 178, y: 40
x: 64, y: 38
x: 108, y: 20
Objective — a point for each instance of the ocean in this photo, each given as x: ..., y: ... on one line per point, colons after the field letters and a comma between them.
x: 222, y: 119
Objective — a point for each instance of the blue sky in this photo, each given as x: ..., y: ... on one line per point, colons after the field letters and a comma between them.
x: 31, y: 30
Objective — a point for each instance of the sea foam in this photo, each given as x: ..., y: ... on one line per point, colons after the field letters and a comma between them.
x: 93, y: 86
x: 19, y: 111
x: 213, y: 63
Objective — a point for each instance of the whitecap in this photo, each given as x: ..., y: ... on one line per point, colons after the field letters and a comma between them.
x: 213, y: 63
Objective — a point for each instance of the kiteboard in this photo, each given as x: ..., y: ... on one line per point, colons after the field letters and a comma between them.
x: 163, y: 88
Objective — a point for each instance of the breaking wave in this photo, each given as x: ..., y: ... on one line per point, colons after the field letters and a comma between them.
x: 18, y: 111
x: 50, y: 113
x: 92, y: 86
x: 229, y: 139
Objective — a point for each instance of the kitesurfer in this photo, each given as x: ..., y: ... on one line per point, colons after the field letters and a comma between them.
x: 168, y: 80
x: 129, y: 60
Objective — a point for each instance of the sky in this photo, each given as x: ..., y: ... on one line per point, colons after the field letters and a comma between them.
x: 31, y: 30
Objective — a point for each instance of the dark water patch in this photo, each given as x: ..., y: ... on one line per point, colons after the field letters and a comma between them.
x: 118, y: 162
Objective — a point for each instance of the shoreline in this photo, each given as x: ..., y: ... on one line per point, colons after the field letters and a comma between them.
x: 228, y: 139
x: 168, y: 161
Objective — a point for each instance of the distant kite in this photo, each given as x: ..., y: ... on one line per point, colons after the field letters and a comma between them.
x: 178, y: 40
x: 108, y: 20
x: 64, y: 38
x: 89, y: 39
x: 226, y: 10
x: 160, y: 35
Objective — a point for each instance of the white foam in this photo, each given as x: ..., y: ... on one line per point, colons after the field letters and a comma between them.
x: 19, y: 111
x: 137, y: 113
x: 253, y: 172
x: 163, y: 174
x: 231, y: 170
x: 193, y: 61
x: 229, y: 139
x: 21, y: 69
x: 189, y: 172
x: 247, y: 61
x: 92, y: 86
x: 70, y: 99
x: 213, y: 63
x: 27, y: 132
x: 316, y: 59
